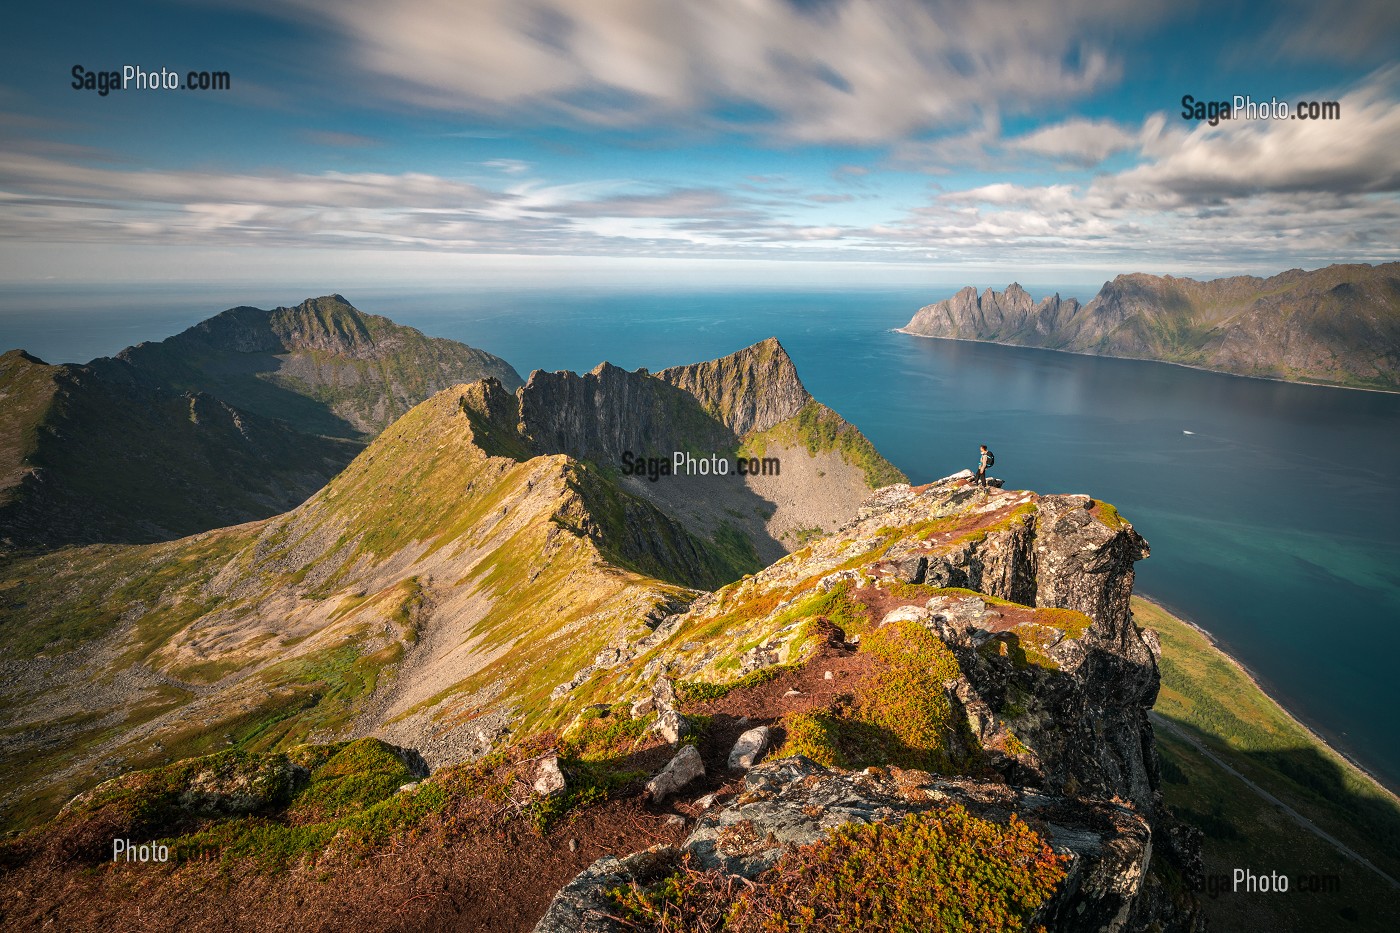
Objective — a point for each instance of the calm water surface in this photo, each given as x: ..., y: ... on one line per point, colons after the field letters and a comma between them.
x: 1273, y: 522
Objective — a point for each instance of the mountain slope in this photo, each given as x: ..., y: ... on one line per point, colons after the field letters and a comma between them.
x: 83, y: 459
x: 239, y: 417
x: 476, y: 556
x: 398, y: 599
x: 1338, y: 325
x: 892, y: 689
x: 324, y: 367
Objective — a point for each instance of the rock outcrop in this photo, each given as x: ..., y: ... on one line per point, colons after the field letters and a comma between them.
x: 793, y: 802
x: 1047, y: 695
x: 1336, y: 325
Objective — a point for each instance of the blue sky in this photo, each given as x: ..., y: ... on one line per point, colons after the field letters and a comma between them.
x: 710, y: 140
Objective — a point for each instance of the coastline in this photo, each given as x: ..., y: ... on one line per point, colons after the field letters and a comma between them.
x: 1149, y: 359
x: 1361, y: 769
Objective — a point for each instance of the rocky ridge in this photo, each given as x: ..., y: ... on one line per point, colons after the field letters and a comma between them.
x: 1045, y: 704
x: 238, y: 418
x: 1338, y: 325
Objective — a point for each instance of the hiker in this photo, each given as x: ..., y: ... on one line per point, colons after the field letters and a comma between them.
x: 988, y: 458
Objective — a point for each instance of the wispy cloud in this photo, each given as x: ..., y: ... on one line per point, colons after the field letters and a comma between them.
x: 862, y: 71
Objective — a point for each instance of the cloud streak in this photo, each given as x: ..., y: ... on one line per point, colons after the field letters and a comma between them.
x: 858, y: 71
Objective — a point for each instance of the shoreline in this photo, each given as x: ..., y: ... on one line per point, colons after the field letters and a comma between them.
x: 1215, y: 643
x: 1149, y: 359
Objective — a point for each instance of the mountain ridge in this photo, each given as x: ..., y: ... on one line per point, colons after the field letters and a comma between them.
x: 239, y: 417
x: 428, y: 553
x: 1339, y: 325
x: 323, y: 366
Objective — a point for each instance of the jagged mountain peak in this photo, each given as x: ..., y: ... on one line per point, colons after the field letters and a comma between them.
x: 753, y: 389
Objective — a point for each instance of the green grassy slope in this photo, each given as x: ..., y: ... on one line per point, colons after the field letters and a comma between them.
x: 1205, y: 694
x: 819, y: 429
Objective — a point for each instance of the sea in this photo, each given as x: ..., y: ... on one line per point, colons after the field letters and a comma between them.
x: 1272, y: 509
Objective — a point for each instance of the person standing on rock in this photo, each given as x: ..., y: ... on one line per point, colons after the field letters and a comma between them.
x: 987, y: 459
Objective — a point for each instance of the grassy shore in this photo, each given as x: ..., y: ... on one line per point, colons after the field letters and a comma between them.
x: 1211, y: 699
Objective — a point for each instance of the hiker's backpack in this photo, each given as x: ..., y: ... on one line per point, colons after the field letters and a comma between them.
x: 991, y: 459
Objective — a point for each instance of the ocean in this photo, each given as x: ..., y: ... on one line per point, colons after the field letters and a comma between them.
x: 1273, y: 510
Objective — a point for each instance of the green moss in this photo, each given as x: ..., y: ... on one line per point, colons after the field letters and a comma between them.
x: 1107, y: 514
x: 944, y: 869
x: 900, y: 713
x: 699, y: 692
x: 817, y: 736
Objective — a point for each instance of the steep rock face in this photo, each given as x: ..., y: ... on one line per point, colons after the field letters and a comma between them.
x: 605, y: 413
x: 1009, y: 316
x: 752, y: 390
x: 1337, y: 325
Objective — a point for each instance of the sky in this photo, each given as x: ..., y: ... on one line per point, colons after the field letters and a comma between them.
x: 432, y: 141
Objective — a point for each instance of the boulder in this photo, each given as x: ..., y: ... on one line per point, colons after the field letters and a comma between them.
x: 549, y: 778
x: 683, y: 769
x: 750, y: 748
x: 908, y: 614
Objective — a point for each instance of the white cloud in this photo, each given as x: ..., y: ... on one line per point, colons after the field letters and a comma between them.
x: 847, y: 71
x: 1080, y: 141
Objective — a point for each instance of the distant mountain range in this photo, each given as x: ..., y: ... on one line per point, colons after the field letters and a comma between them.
x: 239, y: 417
x: 1339, y: 325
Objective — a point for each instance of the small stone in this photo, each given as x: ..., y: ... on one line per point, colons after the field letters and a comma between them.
x: 642, y: 707
x: 549, y: 779
x: 793, y: 693
x: 674, y: 820
x: 707, y: 801
x: 686, y: 767
x: 828, y: 676
x: 405, y: 788
x: 573, y: 845
x: 749, y: 749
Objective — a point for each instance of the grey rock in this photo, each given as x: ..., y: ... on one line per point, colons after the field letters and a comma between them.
x: 549, y: 778
x: 583, y: 907
x: 749, y: 748
x: 685, y: 768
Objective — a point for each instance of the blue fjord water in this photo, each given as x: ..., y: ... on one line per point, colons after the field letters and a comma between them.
x: 1272, y: 509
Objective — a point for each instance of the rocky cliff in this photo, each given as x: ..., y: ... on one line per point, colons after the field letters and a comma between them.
x: 806, y: 467
x: 1017, y: 606
x: 1339, y: 325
